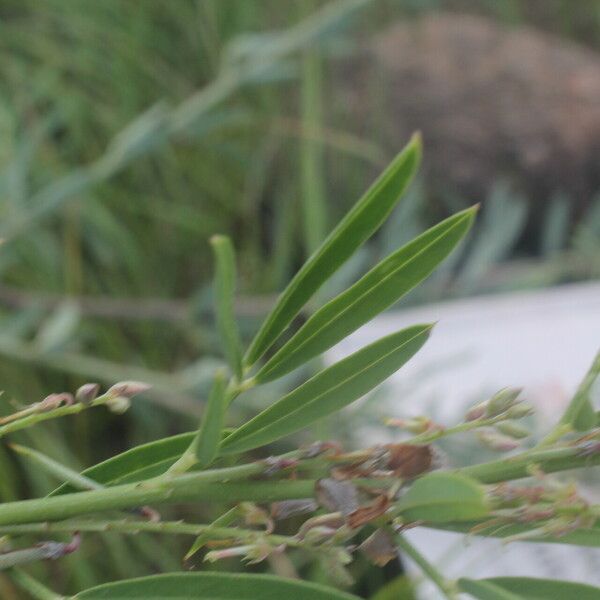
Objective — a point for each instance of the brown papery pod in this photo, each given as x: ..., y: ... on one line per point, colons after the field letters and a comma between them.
x: 367, y: 513
x: 410, y: 460
x: 379, y: 548
x: 339, y: 496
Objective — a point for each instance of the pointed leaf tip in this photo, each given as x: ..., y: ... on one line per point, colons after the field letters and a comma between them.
x: 352, y: 231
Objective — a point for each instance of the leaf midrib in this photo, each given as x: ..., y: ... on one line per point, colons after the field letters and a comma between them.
x: 335, y: 387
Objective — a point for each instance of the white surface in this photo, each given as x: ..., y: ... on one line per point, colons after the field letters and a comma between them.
x: 541, y: 341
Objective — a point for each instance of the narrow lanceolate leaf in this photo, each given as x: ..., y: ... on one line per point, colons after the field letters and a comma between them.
x: 580, y: 414
x: 528, y: 588
x: 226, y: 519
x: 224, y: 301
x: 376, y: 291
x: 330, y: 390
x: 56, y: 469
x: 485, y: 590
x: 442, y: 498
x: 206, y: 444
x: 139, y: 463
x: 357, y: 226
x: 212, y: 586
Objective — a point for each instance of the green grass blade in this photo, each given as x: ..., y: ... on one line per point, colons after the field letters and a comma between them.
x: 580, y: 413
x: 213, y: 586
x: 206, y: 443
x: 330, y: 390
x: 312, y: 186
x: 529, y: 588
x: 376, y: 291
x: 357, y: 226
x: 485, y: 590
x: 224, y: 301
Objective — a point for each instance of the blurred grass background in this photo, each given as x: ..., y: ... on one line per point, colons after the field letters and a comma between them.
x: 131, y: 131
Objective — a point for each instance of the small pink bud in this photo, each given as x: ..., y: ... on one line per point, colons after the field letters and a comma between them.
x: 128, y: 389
x: 476, y: 412
x: 496, y: 441
x: 291, y: 508
x: 414, y: 425
x: 87, y: 393
x: 499, y: 403
x: 55, y: 401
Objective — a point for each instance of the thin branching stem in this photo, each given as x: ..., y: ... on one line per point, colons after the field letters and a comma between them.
x: 446, y: 587
x: 33, y: 586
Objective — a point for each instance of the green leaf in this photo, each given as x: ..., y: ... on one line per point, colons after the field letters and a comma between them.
x: 400, y: 588
x: 206, y: 444
x: 484, y: 590
x: 580, y: 413
x: 358, y: 225
x: 139, y: 463
x: 224, y: 301
x: 528, y: 588
x: 330, y: 390
x: 443, y: 497
x: 377, y: 290
x: 226, y: 519
x: 56, y: 469
x: 212, y: 586
x: 589, y: 537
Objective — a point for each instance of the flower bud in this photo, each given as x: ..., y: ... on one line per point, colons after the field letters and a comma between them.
x: 476, y: 412
x: 319, y: 534
x: 497, y: 441
x: 128, y: 389
x: 502, y: 401
x: 513, y: 430
x: 254, y: 515
x: 54, y: 401
x: 414, y: 425
x: 87, y: 393
x: 291, y: 508
x: 215, y: 555
x: 118, y: 404
x: 520, y: 410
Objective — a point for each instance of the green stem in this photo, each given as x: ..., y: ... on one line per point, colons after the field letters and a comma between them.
x: 186, y: 488
x: 33, y: 587
x: 221, y: 485
x: 554, y: 435
x: 134, y: 527
x: 517, y: 467
x: 189, y: 458
x: 33, y: 418
x: 445, y: 586
x: 431, y: 436
x: 577, y: 407
x: 21, y: 557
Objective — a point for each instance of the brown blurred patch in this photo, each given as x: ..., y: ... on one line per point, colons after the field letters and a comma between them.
x: 492, y: 103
